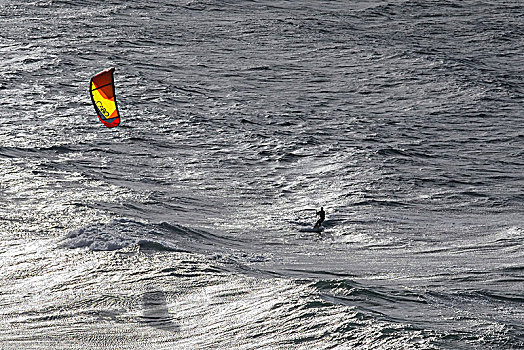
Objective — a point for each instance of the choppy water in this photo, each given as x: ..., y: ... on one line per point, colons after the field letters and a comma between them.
x: 181, y: 229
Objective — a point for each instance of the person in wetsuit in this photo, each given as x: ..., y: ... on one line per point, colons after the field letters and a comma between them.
x: 322, y: 215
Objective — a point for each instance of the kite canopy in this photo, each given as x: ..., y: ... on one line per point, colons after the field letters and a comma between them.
x: 103, y: 98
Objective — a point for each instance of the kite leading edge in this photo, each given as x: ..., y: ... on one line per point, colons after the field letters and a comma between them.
x: 104, y: 99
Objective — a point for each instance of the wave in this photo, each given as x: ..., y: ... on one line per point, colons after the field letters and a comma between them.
x: 405, y: 312
x: 507, y: 240
x: 396, y: 152
x: 122, y: 233
x: 345, y: 291
x: 22, y: 152
x: 114, y: 235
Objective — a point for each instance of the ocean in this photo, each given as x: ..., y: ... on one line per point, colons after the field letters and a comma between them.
x: 188, y: 226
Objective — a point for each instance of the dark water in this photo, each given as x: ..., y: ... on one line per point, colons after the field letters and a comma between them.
x: 182, y: 228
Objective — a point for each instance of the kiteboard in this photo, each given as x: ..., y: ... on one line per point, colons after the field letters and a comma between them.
x: 312, y: 229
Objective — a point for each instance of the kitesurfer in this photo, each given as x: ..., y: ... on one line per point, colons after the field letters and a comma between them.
x: 322, y: 215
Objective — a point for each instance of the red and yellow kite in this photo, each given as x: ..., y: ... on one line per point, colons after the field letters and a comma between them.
x: 103, y: 98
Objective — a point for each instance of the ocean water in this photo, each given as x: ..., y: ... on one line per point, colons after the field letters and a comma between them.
x: 183, y: 228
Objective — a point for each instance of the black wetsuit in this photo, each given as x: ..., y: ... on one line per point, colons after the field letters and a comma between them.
x: 322, y: 214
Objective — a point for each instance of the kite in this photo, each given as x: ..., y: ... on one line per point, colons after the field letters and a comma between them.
x: 104, y: 99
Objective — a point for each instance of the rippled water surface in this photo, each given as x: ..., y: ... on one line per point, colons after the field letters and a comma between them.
x: 186, y: 227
